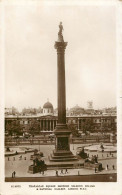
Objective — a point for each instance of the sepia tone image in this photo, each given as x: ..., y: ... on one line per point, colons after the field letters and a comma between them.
x: 60, y: 94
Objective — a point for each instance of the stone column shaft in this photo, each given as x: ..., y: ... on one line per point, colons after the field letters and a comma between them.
x: 47, y: 124
x: 78, y: 124
x: 60, y: 46
x: 50, y: 124
x: 53, y: 124
x: 40, y: 125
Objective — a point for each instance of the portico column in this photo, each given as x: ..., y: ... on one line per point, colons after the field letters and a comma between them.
x: 78, y: 124
x: 50, y: 125
x: 40, y: 125
x: 44, y: 123
x: 53, y: 124
x: 47, y: 124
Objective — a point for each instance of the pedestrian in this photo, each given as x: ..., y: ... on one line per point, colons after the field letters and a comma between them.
x: 34, y: 162
x: 113, y: 167
x: 78, y: 173
x: 14, y: 173
x: 95, y: 170
x: 56, y: 173
x: 66, y: 171
x: 61, y: 171
x: 107, y: 167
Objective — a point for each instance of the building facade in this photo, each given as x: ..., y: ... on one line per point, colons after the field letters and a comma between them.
x: 99, y: 123
x: 46, y: 122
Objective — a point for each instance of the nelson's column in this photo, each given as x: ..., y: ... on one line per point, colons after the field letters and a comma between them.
x: 62, y: 151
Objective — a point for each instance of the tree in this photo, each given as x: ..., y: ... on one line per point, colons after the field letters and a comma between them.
x: 87, y: 125
x: 104, y: 127
x: 13, y: 127
x: 73, y: 129
x: 34, y: 126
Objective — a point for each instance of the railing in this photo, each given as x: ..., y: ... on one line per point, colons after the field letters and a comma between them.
x: 47, y: 141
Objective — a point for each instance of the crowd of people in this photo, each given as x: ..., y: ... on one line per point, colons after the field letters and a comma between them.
x: 20, y: 158
x: 61, y: 172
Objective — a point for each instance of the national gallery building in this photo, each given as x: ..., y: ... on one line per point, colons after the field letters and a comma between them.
x: 47, y: 121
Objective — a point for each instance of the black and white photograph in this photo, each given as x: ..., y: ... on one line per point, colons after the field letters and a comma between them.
x: 60, y: 96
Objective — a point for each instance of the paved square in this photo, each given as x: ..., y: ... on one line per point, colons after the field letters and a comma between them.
x: 21, y: 166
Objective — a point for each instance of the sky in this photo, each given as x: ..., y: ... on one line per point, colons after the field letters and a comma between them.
x: 31, y: 59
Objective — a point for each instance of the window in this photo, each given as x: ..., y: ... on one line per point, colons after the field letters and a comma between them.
x: 26, y: 122
x: 69, y: 121
x: 21, y: 122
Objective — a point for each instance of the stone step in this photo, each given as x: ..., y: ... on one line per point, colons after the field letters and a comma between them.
x: 62, y: 159
x: 62, y: 156
x: 60, y: 166
x: 55, y: 167
x: 59, y: 153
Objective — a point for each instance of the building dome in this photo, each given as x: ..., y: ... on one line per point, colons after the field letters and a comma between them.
x: 47, y: 108
x: 47, y: 105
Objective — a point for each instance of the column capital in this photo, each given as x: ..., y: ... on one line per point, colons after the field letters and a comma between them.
x: 60, y: 46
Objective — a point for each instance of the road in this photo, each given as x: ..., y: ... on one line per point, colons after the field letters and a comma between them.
x: 112, y: 177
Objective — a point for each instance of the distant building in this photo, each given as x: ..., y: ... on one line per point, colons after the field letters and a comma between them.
x: 11, y: 111
x: 89, y: 109
x: 77, y: 118
x: 111, y: 110
x: 92, y: 123
x: 8, y: 111
x: 75, y: 111
x: 90, y: 104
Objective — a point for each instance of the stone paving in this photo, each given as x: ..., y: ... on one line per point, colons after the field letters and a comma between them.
x: 21, y: 166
